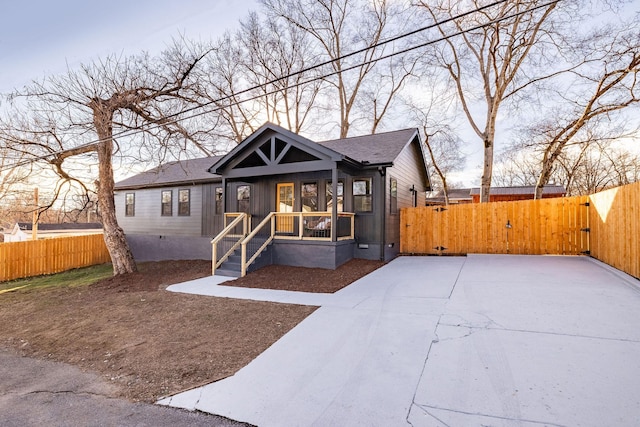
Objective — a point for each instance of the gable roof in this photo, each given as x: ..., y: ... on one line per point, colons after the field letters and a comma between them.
x: 522, y: 189
x: 366, y: 150
x: 178, y: 172
x: 453, y: 193
x: 379, y: 148
x: 273, y: 129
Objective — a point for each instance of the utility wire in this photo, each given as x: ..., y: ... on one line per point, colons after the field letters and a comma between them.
x: 167, y: 119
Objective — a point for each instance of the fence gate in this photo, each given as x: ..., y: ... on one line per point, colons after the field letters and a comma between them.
x: 532, y: 227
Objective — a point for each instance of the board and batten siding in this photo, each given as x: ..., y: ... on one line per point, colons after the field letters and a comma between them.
x: 408, y: 172
x: 212, y: 224
x: 148, y: 219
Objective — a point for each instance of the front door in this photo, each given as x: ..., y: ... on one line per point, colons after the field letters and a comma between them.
x: 284, y: 204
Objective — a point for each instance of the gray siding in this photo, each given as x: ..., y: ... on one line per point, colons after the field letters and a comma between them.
x: 148, y: 218
x: 408, y: 171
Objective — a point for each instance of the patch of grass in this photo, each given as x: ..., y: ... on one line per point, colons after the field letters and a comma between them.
x: 77, y: 277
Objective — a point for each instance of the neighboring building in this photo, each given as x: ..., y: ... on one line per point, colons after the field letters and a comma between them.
x: 457, y: 196
x: 22, y: 231
x: 173, y: 211
x: 525, y: 192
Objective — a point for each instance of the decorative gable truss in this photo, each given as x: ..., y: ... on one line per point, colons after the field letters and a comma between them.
x: 274, y: 153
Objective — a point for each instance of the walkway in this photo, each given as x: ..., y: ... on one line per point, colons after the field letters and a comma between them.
x: 443, y: 341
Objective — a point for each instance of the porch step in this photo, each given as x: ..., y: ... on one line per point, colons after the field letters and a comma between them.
x: 229, y: 273
x: 232, y: 267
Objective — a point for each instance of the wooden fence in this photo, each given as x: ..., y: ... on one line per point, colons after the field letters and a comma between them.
x: 48, y: 256
x: 547, y: 226
x: 615, y: 227
x: 605, y: 225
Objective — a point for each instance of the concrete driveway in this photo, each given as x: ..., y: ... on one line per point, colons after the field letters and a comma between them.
x: 484, y: 340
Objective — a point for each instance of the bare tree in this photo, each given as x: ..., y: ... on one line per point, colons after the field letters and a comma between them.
x: 276, y: 53
x: 339, y: 28
x: 442, y: 142
x: 516, y: 167
x: 384, y: 87
x: 487, y: 61
x: 587, y: 166
x: 586, y: 169
x: 86, y: 113
x: 224, y: 86
x: 611, y: 87
x: 11, y: 179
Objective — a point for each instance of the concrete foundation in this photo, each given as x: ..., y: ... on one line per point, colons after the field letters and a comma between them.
x: 159, y: 248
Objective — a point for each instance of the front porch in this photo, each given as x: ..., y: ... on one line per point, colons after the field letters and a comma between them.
x: 307, y: 239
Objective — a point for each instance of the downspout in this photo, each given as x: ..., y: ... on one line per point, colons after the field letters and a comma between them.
x: 384, y: 211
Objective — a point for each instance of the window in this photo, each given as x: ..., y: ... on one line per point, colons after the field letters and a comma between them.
x: 167, y: 195
x: 393, y: 196
x: 219, y: 205
x: 362, y: 195
x: 184, y: 202
x: 310, y: 197
x: 129, y: 204
x: 244, y: 198
x: 340, y: 198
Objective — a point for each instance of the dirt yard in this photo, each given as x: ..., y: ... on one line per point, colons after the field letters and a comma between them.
x: 150, y: 342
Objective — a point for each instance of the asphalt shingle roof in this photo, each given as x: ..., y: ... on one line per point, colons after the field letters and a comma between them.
x: 381, y: 148
x: 374, y: 149
x: 524, y: 189
x: 193, y: 170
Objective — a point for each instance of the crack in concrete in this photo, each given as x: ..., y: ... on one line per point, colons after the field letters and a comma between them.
x: 195, y: 405
x: 434, y: 341
x: 488, y: 327
x: 423, y: 410
x: 426, y: 408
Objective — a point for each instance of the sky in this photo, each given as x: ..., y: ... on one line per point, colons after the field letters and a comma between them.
x: 41, y: 38
x: 44, y: 37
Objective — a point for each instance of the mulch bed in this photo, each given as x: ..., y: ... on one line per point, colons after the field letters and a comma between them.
x: 304, y: 279
x: 153, y: 343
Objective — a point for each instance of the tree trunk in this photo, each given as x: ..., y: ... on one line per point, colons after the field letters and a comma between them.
x: 487, y: 171
x: 543, y: 179
x: 114, y: 237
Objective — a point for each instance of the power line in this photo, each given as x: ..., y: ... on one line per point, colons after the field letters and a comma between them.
x: 167, y: 119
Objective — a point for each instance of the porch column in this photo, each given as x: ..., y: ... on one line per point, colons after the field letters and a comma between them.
x: 224, y: 196
x: 334, y: 204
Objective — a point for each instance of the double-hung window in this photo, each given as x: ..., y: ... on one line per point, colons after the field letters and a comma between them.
x: 339, y: 198
x: 362, y: 196
x: 309, y: 197
x: 184, y: 202
x: 129, y: 204
x: 167, y: 203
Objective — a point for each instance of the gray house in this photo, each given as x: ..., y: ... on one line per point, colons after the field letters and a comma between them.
x: 277, y: 198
